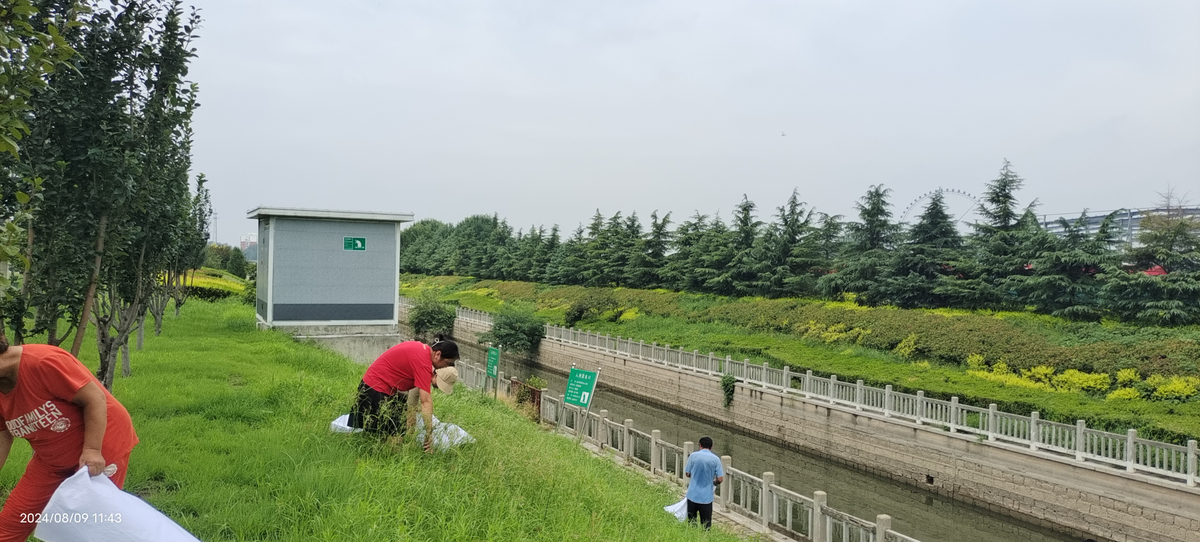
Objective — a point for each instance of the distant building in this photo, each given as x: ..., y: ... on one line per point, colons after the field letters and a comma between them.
x: 249, y: 239
x: 1126, y: 223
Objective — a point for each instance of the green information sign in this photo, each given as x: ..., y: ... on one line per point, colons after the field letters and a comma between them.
x: 493, y: 361
x: 580, y: 387
x: 354, y: 243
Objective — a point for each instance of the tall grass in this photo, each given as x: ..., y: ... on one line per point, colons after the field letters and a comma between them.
x: 235, y: 446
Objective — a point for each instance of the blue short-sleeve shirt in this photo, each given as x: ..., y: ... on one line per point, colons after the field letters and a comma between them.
x: 704, y: 466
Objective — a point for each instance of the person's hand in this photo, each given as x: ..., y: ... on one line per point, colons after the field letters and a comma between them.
x: 428, y: 446
x: 93, y: 460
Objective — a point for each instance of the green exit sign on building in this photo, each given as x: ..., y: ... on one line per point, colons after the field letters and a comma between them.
x: 354, y: 243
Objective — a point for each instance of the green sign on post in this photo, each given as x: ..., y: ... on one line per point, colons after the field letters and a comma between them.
x: 493, y: 361
x: 354, y: 243
x: 581, y: 385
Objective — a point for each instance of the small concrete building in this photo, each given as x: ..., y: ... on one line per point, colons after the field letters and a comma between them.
x: 328, y: 269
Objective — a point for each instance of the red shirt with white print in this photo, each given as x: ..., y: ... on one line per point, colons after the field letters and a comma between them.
x: 39, y: 408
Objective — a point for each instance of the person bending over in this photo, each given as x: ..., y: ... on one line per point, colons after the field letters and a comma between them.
x: 704, y: 471
x: 52, y: 400
x: 380, y: 405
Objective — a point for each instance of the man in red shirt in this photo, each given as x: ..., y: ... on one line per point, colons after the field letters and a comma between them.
x: 52, y: 400
x: 380, y: 405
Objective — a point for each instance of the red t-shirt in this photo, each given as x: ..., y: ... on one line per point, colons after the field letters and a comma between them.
x: 39, y: 408
x: 401, y: 368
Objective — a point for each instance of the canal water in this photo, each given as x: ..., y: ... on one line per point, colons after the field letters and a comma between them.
x: 918, y: 513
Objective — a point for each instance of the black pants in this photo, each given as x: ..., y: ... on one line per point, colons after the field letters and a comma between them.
x: 377, y: 412
x: 701, y: 511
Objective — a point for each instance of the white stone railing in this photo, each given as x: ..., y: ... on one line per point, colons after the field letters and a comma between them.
x: 741, y: 493
x: 1135, y: 454
x: 1128, y: 451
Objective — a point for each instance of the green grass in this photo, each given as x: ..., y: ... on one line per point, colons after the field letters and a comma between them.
x: 760, y: 330
x: 235, y: 445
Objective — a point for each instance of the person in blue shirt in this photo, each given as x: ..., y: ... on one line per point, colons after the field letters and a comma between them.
x: 705, y: 472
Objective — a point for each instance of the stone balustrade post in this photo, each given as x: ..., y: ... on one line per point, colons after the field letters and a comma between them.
x: 726, y: 491
x: 766, y: 505
x: 887, y: 401
x: 626, y: 445
x: 833, y: 382
x: 562, y: 412
x: 954, y: 413
x: 883, y: 523
x: 1191, y: 463
x: 819, y: 526
x: 787, y: 377
x: 1035, y: 434
x: 806, y: 383
x: 1080, y: 439
x: 655, y: 451
x: 993, y: 422
x: 688, y: 448
x: 920, y: 414
x: 541, y: 404
x: 602, y: 431
x: 1130, y: 450
x: 858, y: 395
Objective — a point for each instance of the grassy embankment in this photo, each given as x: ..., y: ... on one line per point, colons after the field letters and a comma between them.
x: 235, y: 445
x: 860, y: 343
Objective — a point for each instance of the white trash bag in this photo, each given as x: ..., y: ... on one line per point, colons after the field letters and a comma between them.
x: 445, y: 435
x: 91, y: 509
x: 679, y: 509
x: 342, y: 425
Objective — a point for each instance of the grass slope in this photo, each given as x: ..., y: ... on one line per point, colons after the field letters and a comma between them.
x: 235, y: 446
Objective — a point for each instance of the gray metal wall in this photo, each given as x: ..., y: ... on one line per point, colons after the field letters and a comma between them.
x: 264, y: 261
x: 315, y: 279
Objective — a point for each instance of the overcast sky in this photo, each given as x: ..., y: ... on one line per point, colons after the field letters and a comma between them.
x: 545, y: 111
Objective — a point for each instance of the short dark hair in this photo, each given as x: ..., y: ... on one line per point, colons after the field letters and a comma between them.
x: 448, y: 348
x: 706, y: 442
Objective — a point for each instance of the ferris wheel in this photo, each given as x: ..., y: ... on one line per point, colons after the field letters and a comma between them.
x: 959, y: 204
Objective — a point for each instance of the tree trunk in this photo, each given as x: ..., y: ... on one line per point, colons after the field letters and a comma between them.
x: 91, y: 291
x: 141, y: 325
x: 125, y: 369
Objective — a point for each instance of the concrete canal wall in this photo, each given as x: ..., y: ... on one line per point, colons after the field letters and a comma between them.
x: 1083, y: 499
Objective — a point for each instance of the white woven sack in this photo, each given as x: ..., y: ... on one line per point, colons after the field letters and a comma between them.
x: 91, y: 509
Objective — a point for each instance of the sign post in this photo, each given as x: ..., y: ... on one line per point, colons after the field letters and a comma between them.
x: 581, y: 388
x: 493, y: 362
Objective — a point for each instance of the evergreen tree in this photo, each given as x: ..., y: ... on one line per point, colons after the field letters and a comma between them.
x: 741, y: 275
x: 919, y: 262
x: 649, y: 254
x: 865, y: 257
x: 1062, y: 278
x: 680, y: 270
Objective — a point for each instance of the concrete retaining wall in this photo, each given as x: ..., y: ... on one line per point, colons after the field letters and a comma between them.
x: 1084, y: 499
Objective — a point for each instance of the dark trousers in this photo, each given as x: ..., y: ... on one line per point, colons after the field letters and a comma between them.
x: 701, y: 511
x: 377, y: 412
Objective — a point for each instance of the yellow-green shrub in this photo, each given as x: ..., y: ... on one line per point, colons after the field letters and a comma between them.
x: 1124, y: 394
x: 908, y: 347
x: 1001, y: 368
x: 1041, y: 373
x: 1177, y: 388
x: 1125, y: 377
x: 1075, y: 380
x: 1009, y: 379
x: 976, y: 362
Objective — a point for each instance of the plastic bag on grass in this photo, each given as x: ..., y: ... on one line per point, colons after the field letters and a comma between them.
x: 679, y: 509
x: 445, y: 435
x: 342, y: 425
x: 91, y: 509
